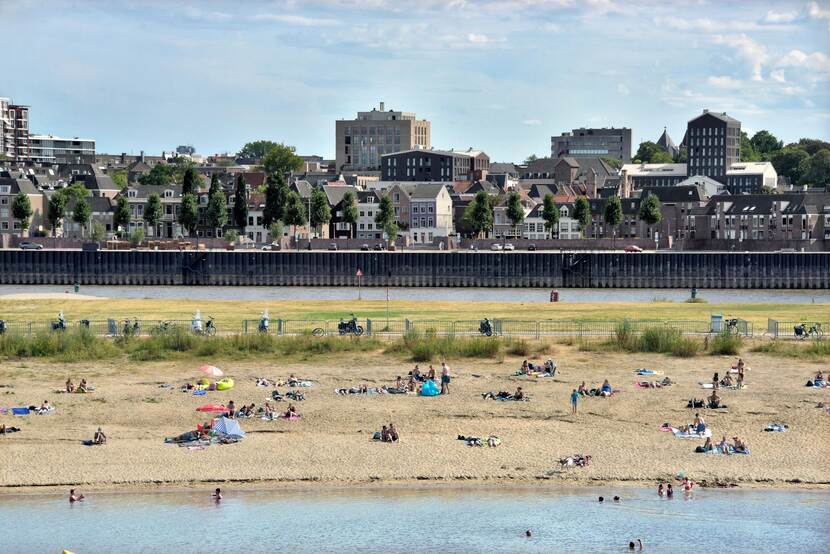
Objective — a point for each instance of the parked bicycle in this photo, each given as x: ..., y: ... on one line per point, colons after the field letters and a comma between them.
x: 60, y: 324
x: 162, y: 328
x: 485, y: 327
x: 84, y: 324
x: 2, y: 326
x: 349, y: 327
x: 208, y: 330
x: 131, y: 328
x: 732, y: 326
x: 802, y: 331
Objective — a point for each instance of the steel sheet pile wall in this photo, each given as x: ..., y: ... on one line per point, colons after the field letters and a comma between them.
x: 420, y: 269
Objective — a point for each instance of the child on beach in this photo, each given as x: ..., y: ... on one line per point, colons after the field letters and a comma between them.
x: 574, y: 399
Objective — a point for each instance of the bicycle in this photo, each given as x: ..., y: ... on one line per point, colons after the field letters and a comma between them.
x: 318, y: 331
x: 802, y: 332
x: 209, y: 330
x: 162, y: 328
x: 732, y: 326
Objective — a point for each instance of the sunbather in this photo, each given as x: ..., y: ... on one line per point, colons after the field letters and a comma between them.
x: 583, y: 389
x: 399, y: 383
x: 740, y: 446
x: 231, y: 413
x: 393, y: 433
x: 606, y: 388
x: 70, y: 386
x: 519, y: 394
x: 82, y: 386
x: 431, y: 374
x: 384, y: 434
x: 714, y: 400
x: 550, y: 367
x: 715, y: 380
x: 695, y: 403
x: 524, y: 369
x: 416, y: 374
x: 727, y: 380
x: 707, y: 446
x: 268, y: 411
x: 819, y: 379
x: 723, y: 445
x: 291, y: 412
x: 100, y: 437
x: 698, y: 424
x: 263, y: 382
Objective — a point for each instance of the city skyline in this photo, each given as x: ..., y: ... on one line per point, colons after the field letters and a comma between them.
x: 502, y: 76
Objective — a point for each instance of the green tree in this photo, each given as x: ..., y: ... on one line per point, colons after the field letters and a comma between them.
x: 816, y: 170
x: 550, y: 213
x: 320, y: 210
x: 189, y: 214
x: 811, y: 146
x: 478, y: 215
x: 386, y: 213
x: 613, y: 162
x: 56, y: 211
x: 22, y: 210
x: 137, y: 237
x: 530, y: 159
x: 119, y: 177
x: 682, y: 155
x: 121, y: 215
x: 231, y: 236
x: 179, y: 167
x: 295, y: 211
x: 240, y: 203
x: 650, y: 211
x: 515, y: 211
x: 613, y: 215
x: 391, y: 231
x: 217, y: 208
x: 350, y: 211
x: 276, y: 198
x: 161, y: 175
x: 281, y: 159
x: 789, y: 162
x: 276, y: 230
x: 153, y: 212
x: 81, y: 213
x: 582, y: 214
x: 765, y: 143
x: 99, y: 233
x: 256, y: 149
x: 748, y: 153
x: 650, y: 153
x: 191, y: 181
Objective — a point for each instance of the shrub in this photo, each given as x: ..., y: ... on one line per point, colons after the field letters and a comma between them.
x: 518, y: 348
x: 624, y: 335
x: 430, y: 347
x: 659, y: 339
x: 725, y: 343
x: 697, y: 300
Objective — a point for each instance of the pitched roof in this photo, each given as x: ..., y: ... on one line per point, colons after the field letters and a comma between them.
x: 335, y: 193
x: 503, y: 167
x: 665, y: 142
x: 722, y: 116
x: 680, y: 193
x: 426, y: 190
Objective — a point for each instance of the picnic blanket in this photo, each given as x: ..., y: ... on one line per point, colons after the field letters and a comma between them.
x: 681, y: 435
x: 717, y: 450
x: 644, y: 371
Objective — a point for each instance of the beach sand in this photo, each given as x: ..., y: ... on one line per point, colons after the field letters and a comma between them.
x: 331, y: 445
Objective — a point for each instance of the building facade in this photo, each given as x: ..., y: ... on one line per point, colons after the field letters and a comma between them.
x: 361, y: 142
x: 640, y: 176
x: 58, y: 150
x: 14, y: 131
x: 434, y: 165
x: 430, y: 213
x: 751, y: 177
x: 713, y: 141
x: 611, y: 143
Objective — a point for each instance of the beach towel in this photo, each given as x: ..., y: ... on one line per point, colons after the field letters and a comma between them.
x: 199, y: 392
x: 680, y: 435
x: 643, y: 371
x: 211, y: 408
x: 776, y: 428
x: 20, y: 411
x: 717, y: 450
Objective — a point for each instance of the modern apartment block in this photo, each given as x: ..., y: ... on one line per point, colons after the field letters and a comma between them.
x: 714, y: 143
x: 58, y: 150
x: 611, y: 143
x: 361, y: 142
x: 14, y: 131
x: 435, y: 165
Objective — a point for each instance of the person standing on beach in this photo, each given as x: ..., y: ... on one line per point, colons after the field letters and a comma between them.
x: 445, y: 378
x: 574, y: 400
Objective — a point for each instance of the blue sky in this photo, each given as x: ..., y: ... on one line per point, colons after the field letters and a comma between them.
x: 501, y: 75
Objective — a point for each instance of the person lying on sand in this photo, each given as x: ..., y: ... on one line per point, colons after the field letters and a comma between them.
x: 99, y: 437
x: 4, y: 429
x: 606, y: 388
x: 70, y: 386
x: 263, y: 382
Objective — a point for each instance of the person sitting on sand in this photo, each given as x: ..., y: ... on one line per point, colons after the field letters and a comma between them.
x: 416, y: 374
x: 99, y: 437
x: 45, y: 407
x: 723, y: 446
x: 268, y: 410
x: 74, y: 497
x: 231, y: 413
x: 550, y: 367
x: 70, y: 386
x: 393, y: 433
x: 82, y: 386
x: 819, y: 379
x: 384, y: 434
x: 727, y: 380
x: 431, y: 374
x: 606, y: 388
x: 714, y: 400
x: 524, y: 369
x: 740, y: 446
x: 291, y: 412
x: 399, y: 383
x: 707, y: 446
x: 583, y: 389
x: 698, y: 424
x: 715, y: 380
x: 519, y: 394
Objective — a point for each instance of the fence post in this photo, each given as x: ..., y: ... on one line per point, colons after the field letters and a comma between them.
x: 244, y: 326
x: 368, y: 327
x: 279, y: 327
x: 537, y: 330
x: 406, y: 325
x: 30, y: 329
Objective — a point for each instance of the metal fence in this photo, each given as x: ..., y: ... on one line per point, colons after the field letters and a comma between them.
x: 787, y: 329
x: 397, y: 327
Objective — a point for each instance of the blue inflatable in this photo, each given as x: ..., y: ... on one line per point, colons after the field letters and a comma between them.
x: 429, y: 389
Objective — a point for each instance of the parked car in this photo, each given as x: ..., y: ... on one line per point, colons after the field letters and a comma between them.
x: 495, y: 246
x: 364, y: 247
x: 30, y: 246
x: 633, y: 248
x: 509, y: 247
x: 332, y: 246
x: 531, y: 247
x: 379, y: 246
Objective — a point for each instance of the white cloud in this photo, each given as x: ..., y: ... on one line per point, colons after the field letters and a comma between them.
x: 781, y: 17
x: 724, y: 81
x: 477, y: 38
x: 778, y: 76
x: 817, y: 63
x: 531, y: 122
x: 791, y: 91
x: 622, y: 89
x: 818, y: 12
x: 201, y: 15
x: 293, y: 19
x: 714, y: 26
x: 754, y: 53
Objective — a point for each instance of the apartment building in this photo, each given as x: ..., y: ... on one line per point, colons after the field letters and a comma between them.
x: 360, y: 143
x: 14, y: 131
x: 171, y: 199
x: 10, y: 187
x: 435, y: 165
x: 430, y: 213
x: 713, y: 141
x: 582, y: 142
x: 751, y: 177
x: 58, y: 150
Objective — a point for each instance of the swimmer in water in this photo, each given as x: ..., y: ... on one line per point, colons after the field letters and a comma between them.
x: 217, y: 495
x: 74, y: 497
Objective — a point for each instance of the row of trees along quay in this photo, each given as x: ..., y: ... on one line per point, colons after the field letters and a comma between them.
x: 478, y: 215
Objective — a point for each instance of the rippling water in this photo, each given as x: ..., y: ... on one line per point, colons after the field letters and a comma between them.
x: 419, y: 520
x: 469, y: 294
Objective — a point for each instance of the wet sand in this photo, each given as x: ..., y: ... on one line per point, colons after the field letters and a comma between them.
x: 331, y: 445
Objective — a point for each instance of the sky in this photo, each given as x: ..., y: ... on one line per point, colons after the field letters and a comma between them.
x: 499, y: 75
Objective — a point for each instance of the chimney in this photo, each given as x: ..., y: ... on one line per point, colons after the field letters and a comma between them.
x: 141, y: 157
x: 382, y: 106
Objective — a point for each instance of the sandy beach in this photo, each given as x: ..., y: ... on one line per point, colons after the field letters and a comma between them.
x: 331, y: 444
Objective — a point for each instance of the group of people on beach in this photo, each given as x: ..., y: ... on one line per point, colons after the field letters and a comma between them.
x: 388, y: 433
x: 417, y: 378
x: 80, y: 387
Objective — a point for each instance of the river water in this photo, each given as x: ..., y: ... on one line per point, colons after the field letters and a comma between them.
x: 468, y: 294
x: 419, y: 520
